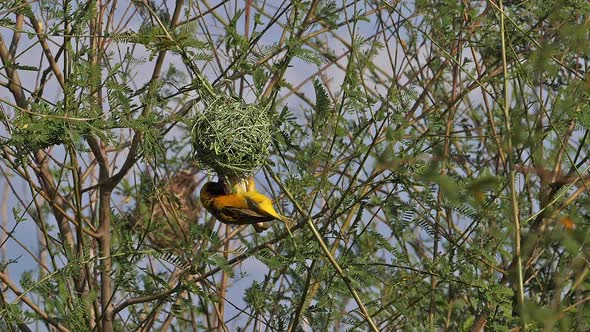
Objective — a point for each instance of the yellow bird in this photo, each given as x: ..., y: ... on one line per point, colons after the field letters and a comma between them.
x: 241, y: 208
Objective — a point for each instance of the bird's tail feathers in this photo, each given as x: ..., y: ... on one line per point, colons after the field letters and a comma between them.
x: 288, y: 222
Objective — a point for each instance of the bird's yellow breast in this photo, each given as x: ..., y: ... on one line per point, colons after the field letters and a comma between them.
x: 234, y: 201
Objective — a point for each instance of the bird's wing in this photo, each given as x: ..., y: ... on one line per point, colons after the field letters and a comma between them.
x: 242, y: 216
x: 257, y: 208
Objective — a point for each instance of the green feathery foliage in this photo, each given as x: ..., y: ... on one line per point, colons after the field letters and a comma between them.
x: 432, y: 155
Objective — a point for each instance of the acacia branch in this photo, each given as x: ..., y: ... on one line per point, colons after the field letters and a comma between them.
x: 31, y: 304
x: 104, y: 230
x: 14, y: 82
x: 38, y: 26
x: 331, y: 259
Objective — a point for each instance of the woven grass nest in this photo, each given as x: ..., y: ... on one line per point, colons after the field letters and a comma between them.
x: 230, y: 137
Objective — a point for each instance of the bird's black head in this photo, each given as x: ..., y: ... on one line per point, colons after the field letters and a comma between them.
x: 214, y: 188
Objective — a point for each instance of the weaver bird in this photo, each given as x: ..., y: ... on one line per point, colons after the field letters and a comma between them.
x: 247, y: 207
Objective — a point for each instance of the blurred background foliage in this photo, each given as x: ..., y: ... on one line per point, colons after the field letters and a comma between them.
x: 439, y: 148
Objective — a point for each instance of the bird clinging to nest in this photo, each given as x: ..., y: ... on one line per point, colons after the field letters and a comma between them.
x: 233, y: 139
x: 243, y: 207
